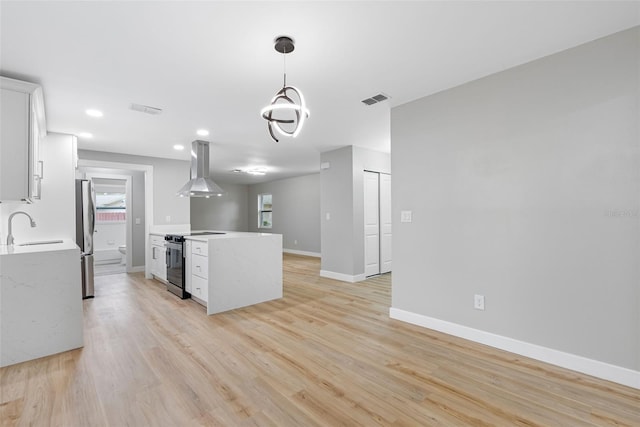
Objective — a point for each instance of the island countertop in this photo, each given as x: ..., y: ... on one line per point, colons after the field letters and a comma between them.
x: 38, y: 246
x: 226, y: 235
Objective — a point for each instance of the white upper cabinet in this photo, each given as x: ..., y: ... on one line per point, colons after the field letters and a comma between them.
x: 22, y: 127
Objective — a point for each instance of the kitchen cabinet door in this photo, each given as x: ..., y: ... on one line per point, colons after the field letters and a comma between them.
x: 23, y: 126
x: 200, y: 288
x: 159, y: 262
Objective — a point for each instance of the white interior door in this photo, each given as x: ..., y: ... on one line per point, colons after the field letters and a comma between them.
x: 385, y: 223
x: 371, y: 224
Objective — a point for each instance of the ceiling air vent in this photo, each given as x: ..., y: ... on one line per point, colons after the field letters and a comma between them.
x: 375, y: 99
x: 146, y: 109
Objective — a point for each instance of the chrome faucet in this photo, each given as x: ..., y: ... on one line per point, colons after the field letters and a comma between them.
x: 10, y: 236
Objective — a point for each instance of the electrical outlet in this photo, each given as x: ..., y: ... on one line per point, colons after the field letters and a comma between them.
x: 478, y: 302
x: 168, y: 218
x: 295, y: 242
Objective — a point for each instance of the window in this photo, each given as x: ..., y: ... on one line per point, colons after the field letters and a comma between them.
x: 111, y: 207
x: 264, y: 210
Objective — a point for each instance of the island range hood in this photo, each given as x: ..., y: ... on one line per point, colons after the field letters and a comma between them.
x: 200, y: 185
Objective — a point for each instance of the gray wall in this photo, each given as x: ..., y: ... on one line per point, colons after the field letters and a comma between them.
x: 342, y: 197
x: 525, y: 188
x: 296, y: 211
x: 336, y: 200
x: 168, y: 176
x: 228, y: 212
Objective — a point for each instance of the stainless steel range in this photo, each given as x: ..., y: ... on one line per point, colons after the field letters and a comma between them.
x: 175, y: 262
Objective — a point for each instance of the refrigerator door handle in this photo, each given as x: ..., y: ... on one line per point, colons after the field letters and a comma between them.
x: 93, y: 212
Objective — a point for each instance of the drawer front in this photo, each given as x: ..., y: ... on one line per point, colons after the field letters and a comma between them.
x: 199, y: 288
x: 157, y: 240
x: 200, y: 266
x: 200, y: 248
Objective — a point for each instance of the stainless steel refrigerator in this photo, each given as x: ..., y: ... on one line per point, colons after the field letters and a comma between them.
x: 85, y: 227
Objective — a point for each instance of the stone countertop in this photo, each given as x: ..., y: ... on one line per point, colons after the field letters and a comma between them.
x: 161, y: 230
x: 227, y: 235
x: 17, y: 248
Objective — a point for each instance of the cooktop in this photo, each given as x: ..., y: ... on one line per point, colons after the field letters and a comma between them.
x: 204, y: 233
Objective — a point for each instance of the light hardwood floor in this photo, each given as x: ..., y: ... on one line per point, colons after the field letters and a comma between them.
x: 326, y: 354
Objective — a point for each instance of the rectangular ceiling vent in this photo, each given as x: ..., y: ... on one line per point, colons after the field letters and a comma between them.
x: 375, y: 99
x: 146, y: 109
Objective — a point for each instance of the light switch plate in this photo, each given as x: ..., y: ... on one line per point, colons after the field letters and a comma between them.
x: 405, y: 216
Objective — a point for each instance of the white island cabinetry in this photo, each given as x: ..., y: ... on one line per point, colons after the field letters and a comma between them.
x: 199, y: 267
x: 234, y: 270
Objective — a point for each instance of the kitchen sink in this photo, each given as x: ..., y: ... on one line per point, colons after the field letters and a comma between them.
x: 44, y: 242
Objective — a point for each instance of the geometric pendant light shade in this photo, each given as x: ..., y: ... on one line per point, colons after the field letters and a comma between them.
x: 287, y: 111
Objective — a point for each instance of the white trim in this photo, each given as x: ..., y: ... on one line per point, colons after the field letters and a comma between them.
x: 574, y: 362
x: 297, y: 252
x: 342, y: 277
x: 137, y: 269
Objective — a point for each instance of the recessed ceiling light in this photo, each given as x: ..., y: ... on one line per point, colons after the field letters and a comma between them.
x: 178, y: 147
x: 85, y: 135
x: 94, y: 113
x: 202, y: 132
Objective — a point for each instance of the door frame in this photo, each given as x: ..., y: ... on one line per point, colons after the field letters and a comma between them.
x: 118, y: 167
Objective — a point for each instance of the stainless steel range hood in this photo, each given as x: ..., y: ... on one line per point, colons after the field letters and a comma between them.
x: 200, y: 185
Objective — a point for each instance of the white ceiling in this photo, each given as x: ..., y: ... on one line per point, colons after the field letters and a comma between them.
x: 212, y: 65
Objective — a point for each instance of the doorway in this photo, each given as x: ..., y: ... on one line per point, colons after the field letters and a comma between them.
x: 138, y: 258
x: 112, y: 229
x: 113, y: 235
x: 377, y: 223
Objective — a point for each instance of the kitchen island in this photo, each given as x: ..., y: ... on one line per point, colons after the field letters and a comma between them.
x: 40, y: 300
x: 233, y: 270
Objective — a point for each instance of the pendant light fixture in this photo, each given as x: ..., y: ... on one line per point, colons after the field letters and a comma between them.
x: 287, y: 106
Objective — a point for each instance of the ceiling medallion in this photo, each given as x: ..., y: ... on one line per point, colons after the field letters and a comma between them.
x: 287, y: 106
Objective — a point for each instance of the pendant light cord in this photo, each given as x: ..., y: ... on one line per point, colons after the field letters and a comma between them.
x: 284, y: 66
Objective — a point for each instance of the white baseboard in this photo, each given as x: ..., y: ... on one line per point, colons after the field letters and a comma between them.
x: 342, y: 277
x: 137, y: 269
x: 581, y: 364
x: 297, y: 252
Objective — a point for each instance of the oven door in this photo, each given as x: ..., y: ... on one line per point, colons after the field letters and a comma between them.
x: 175, y: 264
